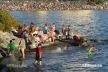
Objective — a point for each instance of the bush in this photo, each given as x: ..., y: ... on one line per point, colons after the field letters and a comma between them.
x: 100, y: 1
x: 7, y: 21
x: 96, y: 1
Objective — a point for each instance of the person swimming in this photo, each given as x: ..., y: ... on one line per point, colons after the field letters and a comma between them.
x: 91, y: 52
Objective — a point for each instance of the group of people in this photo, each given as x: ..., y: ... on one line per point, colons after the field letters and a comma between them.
x: 33, y: 37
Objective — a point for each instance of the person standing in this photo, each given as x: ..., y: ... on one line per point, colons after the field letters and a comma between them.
x: 22, y: 46
x: 38, y: 54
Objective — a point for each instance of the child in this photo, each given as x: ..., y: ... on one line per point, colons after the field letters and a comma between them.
x: 38, y: 54
x: 12, y: 47
x: 91, y: 52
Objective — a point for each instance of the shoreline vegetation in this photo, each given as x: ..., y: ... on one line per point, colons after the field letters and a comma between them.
x: 45, y: 6
x: 6, y: 24
x: 7, y: 21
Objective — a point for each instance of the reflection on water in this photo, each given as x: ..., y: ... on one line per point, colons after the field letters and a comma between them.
x: 42, y: 14
x: 58, y: 49
x: 63, y: 59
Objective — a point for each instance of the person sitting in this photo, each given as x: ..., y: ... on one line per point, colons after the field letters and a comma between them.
x: 45, y: 29
x: 51, y: 35
x: 40, y: 32
x: 76, y: 40
x: 53, y: 27
x: 44, y: 38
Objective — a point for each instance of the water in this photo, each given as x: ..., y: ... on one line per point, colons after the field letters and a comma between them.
x: 68, y: 59
x: 85, y: 22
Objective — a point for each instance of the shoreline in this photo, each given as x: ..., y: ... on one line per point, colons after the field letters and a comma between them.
x: 35, y: 6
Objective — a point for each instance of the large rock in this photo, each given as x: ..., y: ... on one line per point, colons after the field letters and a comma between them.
x: 5, y: 37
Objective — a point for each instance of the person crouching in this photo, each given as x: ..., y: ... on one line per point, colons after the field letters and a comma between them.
x: 38, y: 54
x: 12, y: 47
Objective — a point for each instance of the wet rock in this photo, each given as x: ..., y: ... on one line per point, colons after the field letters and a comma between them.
x: 1, y: 56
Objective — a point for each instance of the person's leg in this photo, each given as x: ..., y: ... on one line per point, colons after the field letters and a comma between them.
x: 40, y: 62
x: 36, y: 62
x: 22, y: 62
x: 22, y: 53
x: 52, y: 39
x: 10, y: 53
x: 36, y: 59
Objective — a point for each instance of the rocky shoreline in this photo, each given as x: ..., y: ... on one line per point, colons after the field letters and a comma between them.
x: 5, y: 37
x: 51, y: 6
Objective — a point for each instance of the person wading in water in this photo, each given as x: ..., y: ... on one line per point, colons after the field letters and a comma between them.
x: 91, y: 52
x: 21, y: 44
x: 38, y: 54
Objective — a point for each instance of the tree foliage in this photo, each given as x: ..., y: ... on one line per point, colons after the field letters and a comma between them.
x: 96, y: 1
x: 7, y: 21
